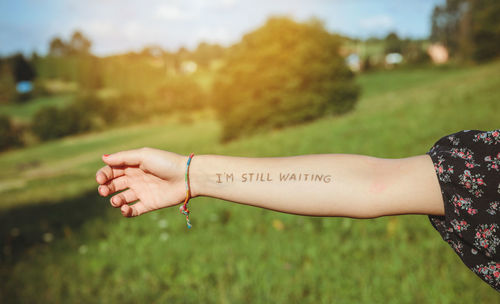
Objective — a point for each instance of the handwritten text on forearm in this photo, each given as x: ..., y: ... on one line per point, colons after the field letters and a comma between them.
x: 258, y: 177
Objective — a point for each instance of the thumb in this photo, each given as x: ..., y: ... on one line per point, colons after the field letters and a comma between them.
x: 124, y: 158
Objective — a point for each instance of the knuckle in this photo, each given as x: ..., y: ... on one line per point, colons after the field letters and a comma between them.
x: 108, y: 172
x: 116, y: 201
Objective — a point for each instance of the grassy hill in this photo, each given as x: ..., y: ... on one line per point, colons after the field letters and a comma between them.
x: 62, y: 243
x: 24, y: 111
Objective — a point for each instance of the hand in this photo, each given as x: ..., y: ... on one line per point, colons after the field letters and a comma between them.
x: 153, y: 178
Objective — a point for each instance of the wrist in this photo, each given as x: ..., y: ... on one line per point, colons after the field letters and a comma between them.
x: 197, y: 175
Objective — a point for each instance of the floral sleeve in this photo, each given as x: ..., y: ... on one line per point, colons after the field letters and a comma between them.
x: 467, y: 165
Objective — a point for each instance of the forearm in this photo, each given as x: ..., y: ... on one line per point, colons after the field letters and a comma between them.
x: 322, y: 184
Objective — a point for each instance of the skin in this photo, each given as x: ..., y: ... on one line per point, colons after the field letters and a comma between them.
x: 353, y: 186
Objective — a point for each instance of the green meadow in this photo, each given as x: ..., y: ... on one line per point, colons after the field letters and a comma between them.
x: 60, y: 242
x: 24, y: 111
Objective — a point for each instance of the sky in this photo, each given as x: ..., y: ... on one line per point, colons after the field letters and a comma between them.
x: 117, y: 26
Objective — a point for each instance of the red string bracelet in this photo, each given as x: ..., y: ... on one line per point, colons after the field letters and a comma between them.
x: 183, y: 208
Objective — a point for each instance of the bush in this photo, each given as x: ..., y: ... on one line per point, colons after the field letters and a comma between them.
x: 415, y: 54
x: 52, y: 122
x: 81, y: 116
x: 46, y: 123
x: 86, y: 113
x: 125, y: 108
x: 282, y: 73
x: 10, y: 135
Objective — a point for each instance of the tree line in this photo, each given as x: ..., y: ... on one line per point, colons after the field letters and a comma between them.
x: 283, y: 73
x: 470, y: 29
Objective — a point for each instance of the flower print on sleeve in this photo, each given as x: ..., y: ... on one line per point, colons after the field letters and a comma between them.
x: 473, y: 182
x: 467, y: 155
x: 494, y: 208
x: 467, y: 165
x: 463, y: 203
x: 492, y: 162
x: 486, y: 238
x: 489, y: 137
x: 490, y: 273
x: 458, y: 246
x: 444, y: 173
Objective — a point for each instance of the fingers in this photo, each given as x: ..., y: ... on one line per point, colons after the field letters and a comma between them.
x: 133, y: 210
x: 122, y: 201
x: 125, y: 197
x: 107, y: 173
x: 112, y: 179
x: 110, y: 187
x: 124, y: 158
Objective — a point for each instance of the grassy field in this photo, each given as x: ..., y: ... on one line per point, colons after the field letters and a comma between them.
x: 25, y: 110
x: 62, y: 243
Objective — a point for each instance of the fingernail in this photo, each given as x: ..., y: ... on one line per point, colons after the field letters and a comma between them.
x: 106, y: 155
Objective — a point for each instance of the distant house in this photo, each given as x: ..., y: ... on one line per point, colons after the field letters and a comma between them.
x: 24, y: 87
x: 353, y: 62
x: 188, y: 67
x: 393, y: 59
x: 438, y: 53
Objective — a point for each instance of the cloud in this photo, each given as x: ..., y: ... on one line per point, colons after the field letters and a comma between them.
x: 227, y: 3
x: 173, y: 12
x: 99, y: 29
x: 379, y: 22
x: 184, y: 10
x: 216, y: 34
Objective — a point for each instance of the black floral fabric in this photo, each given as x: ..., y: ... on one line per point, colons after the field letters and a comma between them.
x: 467, y: 165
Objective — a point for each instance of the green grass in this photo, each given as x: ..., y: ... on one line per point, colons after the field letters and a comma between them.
x: 393, y: 81
x: 24, y: 111
x: 234, y: 253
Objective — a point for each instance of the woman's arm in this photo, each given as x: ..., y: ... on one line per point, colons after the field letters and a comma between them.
x: 318, y: 184
x: 322, y: 184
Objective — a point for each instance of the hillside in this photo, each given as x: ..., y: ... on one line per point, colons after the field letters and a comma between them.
x: 57, y: 233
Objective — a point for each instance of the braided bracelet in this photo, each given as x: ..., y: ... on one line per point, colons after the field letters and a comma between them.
x: 183, y: 208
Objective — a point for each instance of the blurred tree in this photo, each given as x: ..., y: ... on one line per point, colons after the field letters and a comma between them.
x: 152, y: 51
x: 45, y: 123
x: 205, y: 53
x: 70, y: 61
x: 57, y: 47
x: 89, y: 73
x: 468, y: 28
x: 7, y: 83
x: 485, y: 18
x: 414, y: 52
x: 180, y: 93
x: 446, y: 24
x: 280, y: 74
x: 21, y: 68
x: 79, y: 44
x: 84, y: 114
x: 34, y: 56
x: 366, y: 64
x: 393, y: 44
x: 135, y: 74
